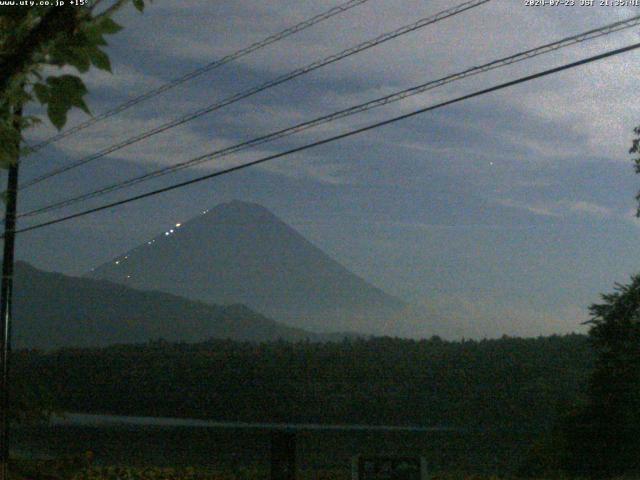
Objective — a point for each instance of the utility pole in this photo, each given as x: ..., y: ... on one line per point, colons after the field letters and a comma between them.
x: 6, y: 294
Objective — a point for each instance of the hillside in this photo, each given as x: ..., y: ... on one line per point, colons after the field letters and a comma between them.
x: 240, y: 252
x: 54, y: 310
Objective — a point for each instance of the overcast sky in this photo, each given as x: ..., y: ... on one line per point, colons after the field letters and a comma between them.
x: 504, y: 214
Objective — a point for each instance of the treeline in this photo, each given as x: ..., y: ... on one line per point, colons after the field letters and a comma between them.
x: 511, y: 383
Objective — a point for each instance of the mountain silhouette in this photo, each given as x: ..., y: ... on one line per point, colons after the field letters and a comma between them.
x: 52, y: 310
x: 240, y: 252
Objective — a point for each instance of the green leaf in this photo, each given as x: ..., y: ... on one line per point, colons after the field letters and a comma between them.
x: 42, y: 92
x: 139, y: 4
x: 93, y: 35
x: 57, y: 113
x: 65, y: 92
x: 75, y: 56
x: 79, y: 58
x: 68, y: 86
x: 83, y: 106
x: 100, y: 59
x: 107, y: 26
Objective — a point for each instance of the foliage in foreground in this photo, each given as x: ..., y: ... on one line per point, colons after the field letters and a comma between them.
x: 38, y: 45
x: 152, y: 473
x: 71, y: 469
x: 81, y: 468
x: 515, y: 383
x: 35, y: 42
x: 602, y: 438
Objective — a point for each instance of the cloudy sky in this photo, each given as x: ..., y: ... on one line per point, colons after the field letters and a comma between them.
x: 504, y: 214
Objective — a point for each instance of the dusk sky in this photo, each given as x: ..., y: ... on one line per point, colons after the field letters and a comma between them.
x: 505, y: 214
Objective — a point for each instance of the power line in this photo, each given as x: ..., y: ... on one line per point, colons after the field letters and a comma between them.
x: 423, y: 22
x: 350, y: 133
x: 394, y: 97
x: 206, y: 68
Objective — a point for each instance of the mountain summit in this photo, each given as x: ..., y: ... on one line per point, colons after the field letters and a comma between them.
x: 240, y: 252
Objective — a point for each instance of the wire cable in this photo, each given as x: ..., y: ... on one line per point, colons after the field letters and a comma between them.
x: 394, y: 97
x: 423, y: 22
x: 206, y: 68
x: 350, y: 133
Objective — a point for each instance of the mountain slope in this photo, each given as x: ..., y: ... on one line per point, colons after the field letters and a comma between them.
x: 54, y: 310
x: 241, y: 253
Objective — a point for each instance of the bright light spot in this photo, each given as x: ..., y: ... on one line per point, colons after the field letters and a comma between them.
x: 178, y: 225
x: 128, y: 276
x: 171, y: 231
x: 491, y: 163
x: 117, y: 262
x: 166, y: 233
x: 148, y: 243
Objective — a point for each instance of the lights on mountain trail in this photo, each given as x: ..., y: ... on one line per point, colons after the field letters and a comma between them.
x: 117, y: 262
x: 178, y: 225
x: 166, y: 233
